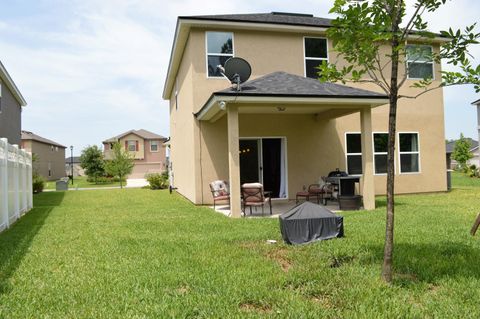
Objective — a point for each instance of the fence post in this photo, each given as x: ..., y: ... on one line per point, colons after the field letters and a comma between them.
x: 4, y: 182
x: 16, y: 177
x: 24, y: 181
x: 29, y: 181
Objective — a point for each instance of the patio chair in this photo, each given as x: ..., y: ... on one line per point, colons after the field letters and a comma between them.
x: 220, y: 191
x: 321, y: 191
x: 253, y: 195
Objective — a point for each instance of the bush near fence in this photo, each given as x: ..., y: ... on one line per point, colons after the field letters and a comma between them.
x: 15, y: 183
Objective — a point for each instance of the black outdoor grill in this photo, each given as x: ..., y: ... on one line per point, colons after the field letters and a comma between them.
x: 345, y: 186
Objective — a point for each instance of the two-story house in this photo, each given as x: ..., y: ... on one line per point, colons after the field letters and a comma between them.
x: 49, y: 155
x: 147, y: 148
x: 284, y: 128
x: 11, y: 103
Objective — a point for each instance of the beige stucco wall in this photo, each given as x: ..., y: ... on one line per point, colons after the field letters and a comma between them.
x: 47, y: 159
x: 314, y: 146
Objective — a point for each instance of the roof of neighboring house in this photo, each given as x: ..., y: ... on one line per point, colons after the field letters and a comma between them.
x: 286, y: 84
x: 272, y: 17
x: 450, y: 146
x: 477, y: 102
x: 76, y: 159
x: 147, y: 135
x: 26, y: 135
x: 11, y: 85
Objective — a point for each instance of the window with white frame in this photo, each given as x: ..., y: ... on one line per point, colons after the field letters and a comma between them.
x: 409, y: 150
x: 354, y: 153
x: 315, y: 53
x: 380, y: 149
x: 419, y: 61
x: 219, y: 50
x: 153, y: 146
x: 132, y: 146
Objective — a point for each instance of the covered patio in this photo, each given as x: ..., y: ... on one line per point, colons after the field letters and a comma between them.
x: 290, y: 95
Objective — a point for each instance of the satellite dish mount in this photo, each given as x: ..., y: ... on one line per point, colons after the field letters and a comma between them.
x: 237, y: 71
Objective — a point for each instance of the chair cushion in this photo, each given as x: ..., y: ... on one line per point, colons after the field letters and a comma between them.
x: 220, y: 188
x: 303, y: 193
x: 222, y: 197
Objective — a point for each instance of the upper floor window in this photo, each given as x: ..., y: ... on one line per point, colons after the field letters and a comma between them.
x: 419, y: 61
x: 219, y: 50
x: 153, y: 146
x: 132, y: 146
x: 354, y: 153
x: 315, y: 53
x: 409, y: 152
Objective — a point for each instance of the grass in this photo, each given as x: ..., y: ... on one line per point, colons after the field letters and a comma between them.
x: 81, y: 182
x: 137, y: 253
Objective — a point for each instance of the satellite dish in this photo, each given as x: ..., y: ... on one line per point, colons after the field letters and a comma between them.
x: 237, y: 70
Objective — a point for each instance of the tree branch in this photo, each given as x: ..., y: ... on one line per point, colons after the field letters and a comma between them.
x: 409, y: 26
x: 442, y: 85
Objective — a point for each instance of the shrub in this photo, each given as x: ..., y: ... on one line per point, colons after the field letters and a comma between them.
x: 38, y: 183
x: 158, y: 181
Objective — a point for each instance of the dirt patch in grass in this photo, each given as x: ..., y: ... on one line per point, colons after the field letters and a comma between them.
x: 183, y: 290
x: 255, y: 307
x: 280, y: 255
x: 323, y: 300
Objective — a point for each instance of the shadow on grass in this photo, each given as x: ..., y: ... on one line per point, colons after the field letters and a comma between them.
x: 430, y: 262
x: 382, y: 203
x: 15, y: 242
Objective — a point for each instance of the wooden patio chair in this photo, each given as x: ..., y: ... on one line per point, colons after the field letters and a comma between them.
x: 253, y: 195
x: 220, y: 191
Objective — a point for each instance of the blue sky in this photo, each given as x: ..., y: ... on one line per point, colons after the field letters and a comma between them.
x: 92, y: 69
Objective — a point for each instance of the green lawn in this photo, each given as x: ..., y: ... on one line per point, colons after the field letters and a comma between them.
x: 136, y: 253
x: 81, y: 182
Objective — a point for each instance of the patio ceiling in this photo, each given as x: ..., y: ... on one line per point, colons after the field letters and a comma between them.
x: 283, y: 93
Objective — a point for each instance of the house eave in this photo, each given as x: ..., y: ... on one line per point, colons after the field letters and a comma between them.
x: 212, y: 108
x: 11, y: 85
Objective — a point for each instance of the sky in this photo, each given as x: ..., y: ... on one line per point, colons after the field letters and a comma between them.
x: 92, y: 69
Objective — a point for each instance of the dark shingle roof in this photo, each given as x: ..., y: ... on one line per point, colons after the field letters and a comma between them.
x: 290, y: 85
x: 26, y: 135
x: 450, y: 146
x: 76, y: 160
x: 142, y: 133
x: 272, y: 18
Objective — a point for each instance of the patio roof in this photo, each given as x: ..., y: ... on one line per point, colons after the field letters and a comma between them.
x: 289, y: 93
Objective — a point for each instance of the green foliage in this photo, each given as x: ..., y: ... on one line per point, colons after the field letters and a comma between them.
x: 361, y: 28
x: 158, y: 181
x: 38, y: 183
x: 121, y: 163
x: 461, y: 152
x: 105, y: 180
x: 91, y: 160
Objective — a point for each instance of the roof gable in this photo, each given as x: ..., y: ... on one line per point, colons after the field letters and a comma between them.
x: 147, y: 135
x: 5, y: 78
x: 26, y: 135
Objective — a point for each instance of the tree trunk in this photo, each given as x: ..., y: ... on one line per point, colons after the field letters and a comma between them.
x: 387, y: 273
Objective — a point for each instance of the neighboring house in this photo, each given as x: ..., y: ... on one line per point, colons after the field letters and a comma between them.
x: 477, y: 104
x: 11, y: 103
x: 77, y: 169
x: 284, y: 128
x: 50, y: 155
x: 475, y: 160
x: 147, y: 148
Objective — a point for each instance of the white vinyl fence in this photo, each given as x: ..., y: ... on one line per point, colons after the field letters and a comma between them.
x: 15, y: 183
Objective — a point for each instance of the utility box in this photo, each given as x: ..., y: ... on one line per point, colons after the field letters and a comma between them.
x: 61, y: 185
x: 449, y: 179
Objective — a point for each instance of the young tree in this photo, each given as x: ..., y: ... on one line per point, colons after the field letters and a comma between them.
x: 91, y: 160
x: 461, y: 151
x: 121, y: 164
x: 359, y: 32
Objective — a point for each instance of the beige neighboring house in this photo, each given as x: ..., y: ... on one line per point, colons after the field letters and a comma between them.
x: 147, y: 148
x: 75, y: 164
x: 50, y: 155
x: 284, y: 128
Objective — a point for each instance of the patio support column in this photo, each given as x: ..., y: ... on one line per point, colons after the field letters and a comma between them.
x: 368, y: 184
x: 234, y: 161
